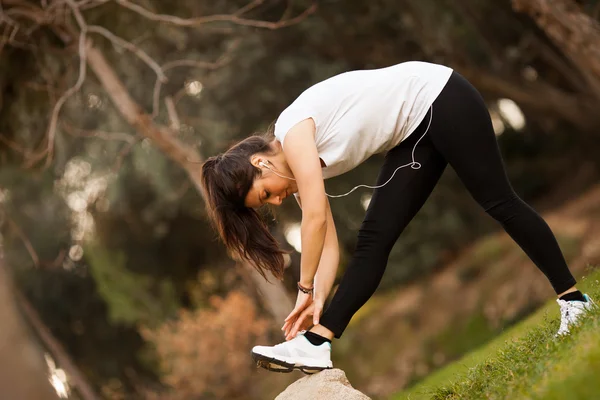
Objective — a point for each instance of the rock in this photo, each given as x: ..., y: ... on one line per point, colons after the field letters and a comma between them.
x: 329, y: 384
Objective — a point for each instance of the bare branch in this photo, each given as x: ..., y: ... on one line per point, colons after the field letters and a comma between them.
x: 4, y: 38
x: 172, y: 111
x: 223, y: 60
x: 32, y: 253
x: 99, y: 134
x: 276, y: 298
x: 179, y: 94
x: 56, y: 348
x: 87, y: 4
x: 9, y: 37
x: 13, y: 145
x: 75, y: 88
x: 132, y: 48
x: 30, y: 161
x: 156, y: 98
x: 125, y: 150
x: 31, y: 14
x: 77, y: 13
x: 57, y: 262
x: 24, y: 374
x: 233, y: 18
x: 249, y: 7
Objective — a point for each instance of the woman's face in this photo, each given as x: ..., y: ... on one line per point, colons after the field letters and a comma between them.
x: 270, y: 188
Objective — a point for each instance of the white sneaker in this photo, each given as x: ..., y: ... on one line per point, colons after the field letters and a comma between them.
x: 571, y: 312
x: 297, y: 353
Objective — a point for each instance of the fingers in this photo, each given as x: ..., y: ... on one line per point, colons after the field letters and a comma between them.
x: 292, y: 314
x: 298, y: 315
x: 300, y: 305
x: 286, y: 327
x: 299, y: 322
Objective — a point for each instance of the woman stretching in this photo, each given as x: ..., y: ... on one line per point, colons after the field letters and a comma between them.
x: 424, y: 116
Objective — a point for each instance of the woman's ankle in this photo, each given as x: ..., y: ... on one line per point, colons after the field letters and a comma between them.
x: 322, y: 331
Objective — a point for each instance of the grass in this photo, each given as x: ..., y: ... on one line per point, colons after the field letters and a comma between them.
x: 526, y: 362
x: 455, y: 342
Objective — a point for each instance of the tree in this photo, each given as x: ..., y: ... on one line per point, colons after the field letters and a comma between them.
x: 50, y: 22
x: 22, y: 368
x: 573, y: 31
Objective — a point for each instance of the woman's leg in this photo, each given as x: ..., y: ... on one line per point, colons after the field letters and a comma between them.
x: 462, y: 132
x: 389, y: 212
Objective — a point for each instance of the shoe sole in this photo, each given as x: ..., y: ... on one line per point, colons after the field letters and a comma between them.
x: 275, y: 365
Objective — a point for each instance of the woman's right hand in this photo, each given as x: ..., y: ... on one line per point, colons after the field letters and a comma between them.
x: 303, y: 301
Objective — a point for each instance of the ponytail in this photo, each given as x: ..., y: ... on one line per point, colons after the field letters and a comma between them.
x: 226, y: 179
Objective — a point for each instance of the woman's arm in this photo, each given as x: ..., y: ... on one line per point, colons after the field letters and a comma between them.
x: 324, y: 279
x: 303, y: 159
x: 330, y: 258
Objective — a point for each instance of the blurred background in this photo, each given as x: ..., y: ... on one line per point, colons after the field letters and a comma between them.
x: 113, y: 284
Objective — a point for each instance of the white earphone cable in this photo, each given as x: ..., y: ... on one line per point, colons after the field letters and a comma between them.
x: 414, y: 165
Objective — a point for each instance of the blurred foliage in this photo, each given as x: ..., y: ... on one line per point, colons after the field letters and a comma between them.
x: 204, y: 352
x: 130, y: 297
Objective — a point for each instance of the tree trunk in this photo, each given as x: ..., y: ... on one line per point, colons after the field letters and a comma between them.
x: 274, y: 296
x: 77, y: 379
x: 23, y: 372
x: 574, y: 32
x: 537, y: 97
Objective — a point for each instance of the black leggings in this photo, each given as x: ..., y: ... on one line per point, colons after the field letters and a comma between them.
x: 461, y: 135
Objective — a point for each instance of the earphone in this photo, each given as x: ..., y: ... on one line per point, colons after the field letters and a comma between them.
x: 261, y: 163
x: 414, y: 165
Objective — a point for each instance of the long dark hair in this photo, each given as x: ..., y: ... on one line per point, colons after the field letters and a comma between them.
x: 226, y: 179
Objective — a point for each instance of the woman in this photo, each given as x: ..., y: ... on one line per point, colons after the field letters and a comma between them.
x: 424, y: 116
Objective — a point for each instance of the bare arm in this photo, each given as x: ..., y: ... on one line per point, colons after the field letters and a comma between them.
x: 324, y: 279
x: 303, y: 159
x: 330, y: 258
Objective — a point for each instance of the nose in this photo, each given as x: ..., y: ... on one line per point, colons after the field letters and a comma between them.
x: 276, y: 200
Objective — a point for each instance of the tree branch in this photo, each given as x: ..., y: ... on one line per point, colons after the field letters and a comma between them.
x: 536, y: 97
x: 99, y: 134
x: 75, y: 88
x: 223, y: 60
x: 126, y: 149
x: 32, y: 253
x: 56, y: 348
x: 274, y: 297
x: 573, y: 31
x: 23, y: 373
x: 233, y: 18
x: 132, y: 48
x: 172, y: 111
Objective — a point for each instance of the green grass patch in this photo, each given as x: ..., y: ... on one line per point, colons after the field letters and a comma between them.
x: 526, y: 362
x: 454, y: 342
x: 488, y: 251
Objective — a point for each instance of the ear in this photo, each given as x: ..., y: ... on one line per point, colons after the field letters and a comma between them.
x: 255, y: 159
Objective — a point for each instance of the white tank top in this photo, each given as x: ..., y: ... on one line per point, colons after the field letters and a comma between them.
x: 365, y: 112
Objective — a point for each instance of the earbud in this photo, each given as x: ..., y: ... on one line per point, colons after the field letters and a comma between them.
x: 263, y: 164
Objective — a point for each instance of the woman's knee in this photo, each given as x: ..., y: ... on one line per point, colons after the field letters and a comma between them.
x: 505, y: 208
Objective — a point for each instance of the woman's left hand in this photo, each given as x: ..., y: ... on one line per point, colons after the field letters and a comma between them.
x: 300, y: 320
x: 302, y: 302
